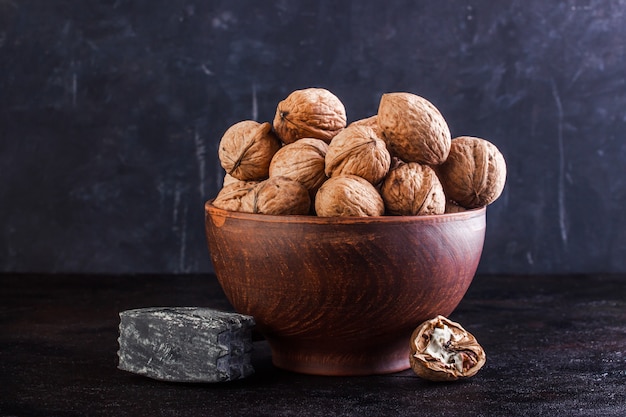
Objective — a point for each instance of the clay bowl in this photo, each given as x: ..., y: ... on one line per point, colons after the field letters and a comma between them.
x: 341, y: 296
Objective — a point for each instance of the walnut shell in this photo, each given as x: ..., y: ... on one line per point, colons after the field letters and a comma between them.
x: 281, y: 196
x: 228, y: 179
x: 396, y: 162
x: 474, y: 173
x: 237, y: 196
x: 302, y: 161
x: 414, y: 129
x: 453, y: 207
x: 442, y: 350
x: 413, y: 189
x: 246, y: 149
x: 309, y: 113
x: 357, y: 150
x: 348, y: 195
x: 372, y: 122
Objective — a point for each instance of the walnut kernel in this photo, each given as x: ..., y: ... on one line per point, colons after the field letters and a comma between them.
x: 442, y: 350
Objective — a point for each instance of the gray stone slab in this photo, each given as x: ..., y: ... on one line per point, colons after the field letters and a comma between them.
x: 185, y: 344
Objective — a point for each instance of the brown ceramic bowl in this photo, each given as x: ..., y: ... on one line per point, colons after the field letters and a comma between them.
x: 341, y: 296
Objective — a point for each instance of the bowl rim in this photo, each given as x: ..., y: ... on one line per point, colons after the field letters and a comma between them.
x: 210, y: 209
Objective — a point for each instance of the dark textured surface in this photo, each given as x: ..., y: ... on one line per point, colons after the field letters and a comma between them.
x: 556, y: 345
x: 111, y: 112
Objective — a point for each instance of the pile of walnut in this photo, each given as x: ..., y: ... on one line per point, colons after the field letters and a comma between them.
x: 400, y: 161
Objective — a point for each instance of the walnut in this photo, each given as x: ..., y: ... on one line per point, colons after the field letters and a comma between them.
x: 309, y: 113
x: 281, y: 196
x: 442, y: 350
x: 302, y: 161
x: 395, y: 162
x: 453, y: 207
x: 348, y: 195
x: 414, y: 129
x: 372, y: 122
x: 246, y: 149
x: 228, y: 179
x: 358, y: 151
x: 413, y: 189
x: 474, y: 173
x: 237, y: 196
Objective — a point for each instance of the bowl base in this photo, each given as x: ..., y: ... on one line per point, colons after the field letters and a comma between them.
x: 315, y: 361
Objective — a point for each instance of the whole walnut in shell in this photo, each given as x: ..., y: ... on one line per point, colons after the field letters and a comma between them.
x: 309, y: 113
x: 246, y: 149
x: 236, y: 196
x: 413, y: 189
x: 281, y: 196
x: 453, y: 207
x: 442, y: 350
x: 372, y: 122
x: 302, y: 161
x: 474, y: 173
x: 348, y: 195
x: 357, y: 150
x: 414, y: 129
x: 228, y: 179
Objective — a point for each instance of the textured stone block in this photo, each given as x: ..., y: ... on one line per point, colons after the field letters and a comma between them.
x: 185, y: 344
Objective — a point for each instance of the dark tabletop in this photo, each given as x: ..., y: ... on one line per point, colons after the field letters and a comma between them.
x: 556, y: 345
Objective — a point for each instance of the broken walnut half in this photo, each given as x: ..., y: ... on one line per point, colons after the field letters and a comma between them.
x: 442, y: 350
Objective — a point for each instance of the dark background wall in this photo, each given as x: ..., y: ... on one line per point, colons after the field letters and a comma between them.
x: 111, y: 112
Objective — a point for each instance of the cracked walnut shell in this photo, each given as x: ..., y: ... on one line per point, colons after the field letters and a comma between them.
x: 474, y: 173
x: 246, y: 149
x: 412, y: 189
x: 414, y: 129
x: 348, y: 195
x: 302, y: 161
x: 309, y: 113
x: 357, y: 150
x: 442, y: 350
